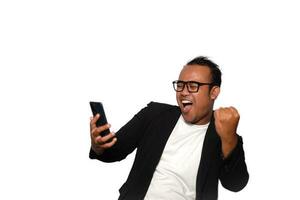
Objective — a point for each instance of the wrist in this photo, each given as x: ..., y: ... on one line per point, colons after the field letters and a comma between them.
x: 228, y: 145
x: 98, y: 151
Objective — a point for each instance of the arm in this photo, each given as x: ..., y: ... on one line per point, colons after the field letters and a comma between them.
x: 127, y: 138
x: 233, y: 175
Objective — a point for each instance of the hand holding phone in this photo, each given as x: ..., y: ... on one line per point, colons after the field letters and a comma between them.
x: 97, y: 107
x: 107, y: 139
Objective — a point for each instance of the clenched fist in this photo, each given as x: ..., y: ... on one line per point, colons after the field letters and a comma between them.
x: 226, y: 123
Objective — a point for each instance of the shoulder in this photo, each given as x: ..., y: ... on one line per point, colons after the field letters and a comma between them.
x: 161, y: 106
x: 155, y: 108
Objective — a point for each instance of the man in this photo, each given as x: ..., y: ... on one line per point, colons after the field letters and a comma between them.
x: 182, y: 151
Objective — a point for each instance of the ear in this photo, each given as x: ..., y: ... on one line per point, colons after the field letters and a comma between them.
x: 214, y: 92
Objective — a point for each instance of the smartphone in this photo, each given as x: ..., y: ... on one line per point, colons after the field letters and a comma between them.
x: 97, y: 107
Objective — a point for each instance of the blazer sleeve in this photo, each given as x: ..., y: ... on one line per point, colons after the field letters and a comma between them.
x: 129, y: 136
x: 234, y: 175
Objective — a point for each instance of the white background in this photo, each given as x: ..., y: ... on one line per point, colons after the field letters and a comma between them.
x: 56, y: 56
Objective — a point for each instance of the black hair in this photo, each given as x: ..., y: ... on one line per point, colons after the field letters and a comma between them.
x: 214, y: 68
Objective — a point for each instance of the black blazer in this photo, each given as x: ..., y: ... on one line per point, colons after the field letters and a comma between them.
x: 148, y: 132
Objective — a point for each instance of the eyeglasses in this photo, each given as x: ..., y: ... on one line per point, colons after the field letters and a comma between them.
x: 192, y: 86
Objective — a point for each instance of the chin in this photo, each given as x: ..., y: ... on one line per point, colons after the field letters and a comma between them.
x: 188, y: 119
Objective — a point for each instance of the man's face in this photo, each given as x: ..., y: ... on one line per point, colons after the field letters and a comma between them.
x: 196, y: 108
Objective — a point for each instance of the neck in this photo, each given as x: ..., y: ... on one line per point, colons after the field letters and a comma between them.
x: 205, y: 119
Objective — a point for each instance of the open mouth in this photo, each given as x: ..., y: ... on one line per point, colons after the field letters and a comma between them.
x: 187, y: 105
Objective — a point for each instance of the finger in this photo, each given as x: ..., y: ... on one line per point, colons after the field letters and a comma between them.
x: 93, y: 121
x: 94, y: 133
x: 217, y: 113
x: 103, y: 139
x: 103, y: 128
x: 109, y: 144
x: 234, y: 111
x: 108, y: 137
x: 99, y: 140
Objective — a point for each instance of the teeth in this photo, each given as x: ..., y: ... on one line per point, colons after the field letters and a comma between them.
x: 186, y: 101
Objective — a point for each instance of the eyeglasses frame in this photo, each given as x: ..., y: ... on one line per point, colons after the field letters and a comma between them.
x: 186, y: 83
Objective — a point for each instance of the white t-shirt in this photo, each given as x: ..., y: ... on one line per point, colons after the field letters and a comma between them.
x: 176, y: 173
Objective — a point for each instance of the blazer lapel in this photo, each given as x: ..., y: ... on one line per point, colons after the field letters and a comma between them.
x: 208, y: 150
x: 166, y: 126
x: 162, y: 127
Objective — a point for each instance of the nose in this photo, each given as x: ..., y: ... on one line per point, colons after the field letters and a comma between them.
x: 185, y: 91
